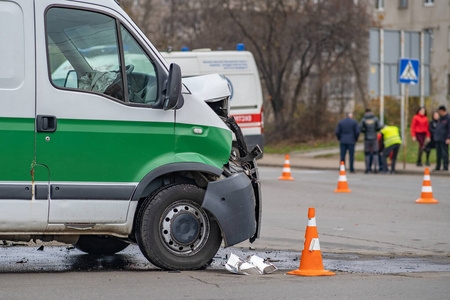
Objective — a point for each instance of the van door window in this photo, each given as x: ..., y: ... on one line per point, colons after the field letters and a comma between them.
x: 84, y: 52
x: 141, y: 74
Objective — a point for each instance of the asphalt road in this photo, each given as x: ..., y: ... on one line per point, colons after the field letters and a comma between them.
x: 380, y: 243
x: 220, y: 285
x: 380, y: 216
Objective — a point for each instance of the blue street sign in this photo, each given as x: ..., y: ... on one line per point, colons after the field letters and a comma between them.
x: 408, y: 71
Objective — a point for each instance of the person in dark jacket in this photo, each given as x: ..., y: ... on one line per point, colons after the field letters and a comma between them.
x: 370, y: 125
x: 347, y: 132
x: 442, y: 138
x: 432, y: 128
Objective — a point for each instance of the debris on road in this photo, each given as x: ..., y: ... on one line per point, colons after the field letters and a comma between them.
x: 263, y: 266
x: 23, y: 261
x: 254, y: 265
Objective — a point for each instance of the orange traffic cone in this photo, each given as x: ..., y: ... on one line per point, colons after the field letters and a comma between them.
x: 311, y: 260
x: 342, y: 182
x: 427, y: 192
x: 286, y: 170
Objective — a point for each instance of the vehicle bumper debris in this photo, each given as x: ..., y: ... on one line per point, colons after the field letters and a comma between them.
x: 254, y: 265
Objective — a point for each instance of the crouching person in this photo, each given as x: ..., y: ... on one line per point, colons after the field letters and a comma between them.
x: 391, y: 139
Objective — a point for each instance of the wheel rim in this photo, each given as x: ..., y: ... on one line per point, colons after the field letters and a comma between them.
x: 184, y: 228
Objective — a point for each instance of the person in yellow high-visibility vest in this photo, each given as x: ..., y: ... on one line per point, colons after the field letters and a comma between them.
x: 391, y: 139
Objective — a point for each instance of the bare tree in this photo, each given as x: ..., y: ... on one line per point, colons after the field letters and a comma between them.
x: 291, y: 40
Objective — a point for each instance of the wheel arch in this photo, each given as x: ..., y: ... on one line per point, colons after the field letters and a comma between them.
x: 144, y: 187
x: 157, y: 179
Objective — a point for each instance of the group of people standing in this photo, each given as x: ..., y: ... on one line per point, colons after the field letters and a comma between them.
x: 435, y: 132
x: 381, y: 141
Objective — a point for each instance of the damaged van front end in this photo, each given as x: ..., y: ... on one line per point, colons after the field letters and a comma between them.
x: 234, y: 199
x: 235, y: 202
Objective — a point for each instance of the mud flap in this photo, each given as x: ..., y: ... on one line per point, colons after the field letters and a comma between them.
x: 232, y: 202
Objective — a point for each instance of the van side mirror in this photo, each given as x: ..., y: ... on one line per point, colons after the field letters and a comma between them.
x: 173, y: 89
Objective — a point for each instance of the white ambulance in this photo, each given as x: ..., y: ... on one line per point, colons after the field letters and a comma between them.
x: 102, y: 143
x: 240, y: 69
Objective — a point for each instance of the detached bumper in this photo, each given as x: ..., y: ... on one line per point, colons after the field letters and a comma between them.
x: 235, y: 203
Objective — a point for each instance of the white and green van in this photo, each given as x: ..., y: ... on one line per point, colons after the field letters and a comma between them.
x: 115, y: 151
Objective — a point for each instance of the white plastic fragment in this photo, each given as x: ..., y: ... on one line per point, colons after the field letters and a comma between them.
x: 233, y: 263
x: 238, y: 266
x: 263, y: 266
x: 249, y: 269
x: 253, y: 266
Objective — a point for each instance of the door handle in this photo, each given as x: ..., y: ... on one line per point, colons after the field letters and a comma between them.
x: 46, y: 123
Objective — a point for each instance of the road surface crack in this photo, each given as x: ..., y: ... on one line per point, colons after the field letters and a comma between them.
x: 205, y: 282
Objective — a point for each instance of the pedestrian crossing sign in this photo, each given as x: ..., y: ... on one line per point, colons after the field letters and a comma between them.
x: 408, y: 71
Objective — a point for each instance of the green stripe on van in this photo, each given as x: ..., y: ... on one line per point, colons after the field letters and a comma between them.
x: 16, y: 148
x: 105, y: 151
x: 212, y: 146
x: 125, y: 151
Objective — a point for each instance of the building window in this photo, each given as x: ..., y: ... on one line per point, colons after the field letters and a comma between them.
x: 379, y: 4
x: 428, y: 2
x: 403, y: 4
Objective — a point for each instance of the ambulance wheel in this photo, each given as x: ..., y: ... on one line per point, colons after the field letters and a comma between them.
x: 174, y: 232
x: 100, y: 244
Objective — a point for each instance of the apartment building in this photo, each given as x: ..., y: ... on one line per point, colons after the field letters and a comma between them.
x: 431, y: 17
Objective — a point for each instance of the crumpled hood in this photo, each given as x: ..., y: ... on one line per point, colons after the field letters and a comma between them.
x: 209, y: 88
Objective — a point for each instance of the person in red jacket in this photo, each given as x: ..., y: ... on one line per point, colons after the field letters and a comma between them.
x: 420, y: 131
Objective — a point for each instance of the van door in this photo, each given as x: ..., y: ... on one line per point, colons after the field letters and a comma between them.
x: 96, y: 130
x: 22, y: 208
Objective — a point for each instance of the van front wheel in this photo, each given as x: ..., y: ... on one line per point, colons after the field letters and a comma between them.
x: 174, y: 232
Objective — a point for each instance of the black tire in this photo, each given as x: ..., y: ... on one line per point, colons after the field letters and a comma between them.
x: 174, y: 232
x: 100, y: 244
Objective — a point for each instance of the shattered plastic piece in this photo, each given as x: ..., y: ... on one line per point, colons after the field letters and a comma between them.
x: 238, y: 266
x: 234, y: 263
x: 249, y: 269
x: 253, y: 266
x: 263, y: 266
